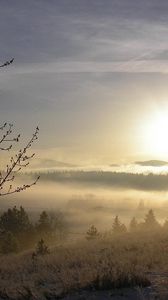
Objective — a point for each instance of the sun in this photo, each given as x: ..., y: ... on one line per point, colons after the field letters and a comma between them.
x: 156, y: 134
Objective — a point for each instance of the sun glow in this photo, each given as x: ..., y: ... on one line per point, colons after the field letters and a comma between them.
x: 156, y: 134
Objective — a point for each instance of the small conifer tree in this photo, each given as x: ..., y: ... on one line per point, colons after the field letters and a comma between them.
x: 42, y: 248
x: 133, y: 224
x: 92, y: 233
x: 150, y: 220
x: 44, y: 224
x: 117, y: 226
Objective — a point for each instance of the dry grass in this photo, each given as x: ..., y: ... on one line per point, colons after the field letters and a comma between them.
x: 106, y: 263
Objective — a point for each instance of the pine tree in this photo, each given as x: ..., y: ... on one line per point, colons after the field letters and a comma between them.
x: 141, y: 205
x: 15, y: 220
x: 23, y: 218
x: 133, y: 224
x: 9, y: 243
x: 44, y: 224
x: 150, y: 220
x: 117, y: 226
x: 58, y: 224
x: 42, y: 248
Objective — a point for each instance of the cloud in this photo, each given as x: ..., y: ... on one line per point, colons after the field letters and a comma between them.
x: 80, y: 68
x: 69, y: 31
x: 152, y: 163
x: 161, y: 55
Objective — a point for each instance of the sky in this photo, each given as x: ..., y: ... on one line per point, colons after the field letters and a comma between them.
x: 91, y: 74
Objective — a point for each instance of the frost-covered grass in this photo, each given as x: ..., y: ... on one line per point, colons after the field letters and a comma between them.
x: 104, y: 263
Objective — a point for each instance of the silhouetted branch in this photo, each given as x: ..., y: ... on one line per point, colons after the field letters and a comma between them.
x: 6, y: 136
x: 7, y: 63
x: 19, y: 161
x: 16, y: 163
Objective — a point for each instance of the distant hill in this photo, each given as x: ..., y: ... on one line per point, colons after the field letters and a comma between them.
x: 51, y: 163
x: 152, y: 163
x: 114, y: 165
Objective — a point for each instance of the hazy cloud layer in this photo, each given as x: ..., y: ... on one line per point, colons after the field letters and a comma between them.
x: 84, y: 71
x: 152, y: 163
x: 83, y: 31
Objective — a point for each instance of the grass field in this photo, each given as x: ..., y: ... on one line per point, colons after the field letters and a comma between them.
x: 106, y: 263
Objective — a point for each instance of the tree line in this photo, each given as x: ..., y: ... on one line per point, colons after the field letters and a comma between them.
x: 149, y: 223
x: 18, y: 232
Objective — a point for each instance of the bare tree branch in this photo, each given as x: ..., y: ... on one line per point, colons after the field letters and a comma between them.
x: 7, y: 63
x: 17, y: 162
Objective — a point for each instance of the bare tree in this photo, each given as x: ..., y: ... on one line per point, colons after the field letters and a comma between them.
x: 20, y: 160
